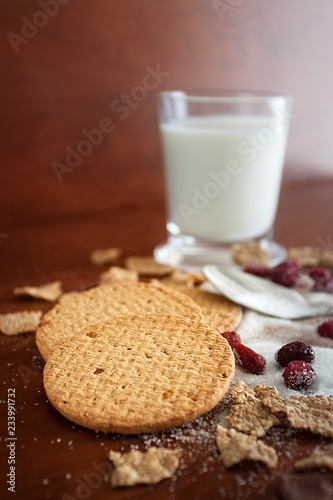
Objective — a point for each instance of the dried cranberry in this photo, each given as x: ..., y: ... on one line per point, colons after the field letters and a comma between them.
x: 324, y: 285
x: 298, y: 374
x: 318, y: 273
x: 287, y: 273
x: 293, y: 351
x: 326, y: 329
x: 322, y: 278
x: 232, y: 337
x: 262, y: 271
x: 251, y: 361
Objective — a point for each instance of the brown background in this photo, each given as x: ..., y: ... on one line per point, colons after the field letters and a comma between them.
x: 64, y: 78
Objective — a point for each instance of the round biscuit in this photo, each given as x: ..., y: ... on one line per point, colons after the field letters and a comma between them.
x: 138, y: 374
x: 218, y: 311
x: 76, y: 311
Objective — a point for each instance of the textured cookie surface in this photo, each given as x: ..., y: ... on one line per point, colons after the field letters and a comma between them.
x: 139, y: 373
x: 218, y: 311
x: 102, y: 303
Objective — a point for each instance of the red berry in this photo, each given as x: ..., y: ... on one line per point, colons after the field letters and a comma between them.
x: 232, y: 337
x: 262, y: 271
x: 287, y: 273
x: 322, y: 278
x: 326, y: 329
x: 324, y: 285
x: 251, y: 361
x: 318, y: 273
x: 298, y: 374
x: 293, y: 351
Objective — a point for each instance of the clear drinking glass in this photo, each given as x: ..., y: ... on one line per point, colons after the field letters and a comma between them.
x: 223, y: 155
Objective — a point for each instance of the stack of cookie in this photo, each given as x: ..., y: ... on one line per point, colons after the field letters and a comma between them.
x: 136, y: 357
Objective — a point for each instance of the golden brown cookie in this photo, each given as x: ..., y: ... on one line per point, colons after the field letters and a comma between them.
x: 139, y: 374
x: 218, y: 311
x: 101, y: 303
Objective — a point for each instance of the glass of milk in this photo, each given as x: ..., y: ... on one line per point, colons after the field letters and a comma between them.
x: 223, y: 155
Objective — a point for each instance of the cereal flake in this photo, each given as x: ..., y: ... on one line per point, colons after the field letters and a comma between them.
x: 235, y: 447
x: 313, y: 413
x: 137, y: 467
x: 19, y: 322
x: 249, y: 252
x: 50, y: 291
x: 319, y: 458
x: 147, y: 266
x: 102, y: 256
x: 119, y: 275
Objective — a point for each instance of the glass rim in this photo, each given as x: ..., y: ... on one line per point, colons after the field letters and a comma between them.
x: 224, y: 95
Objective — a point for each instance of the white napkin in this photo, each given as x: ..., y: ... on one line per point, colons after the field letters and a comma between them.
x: 266, y: 334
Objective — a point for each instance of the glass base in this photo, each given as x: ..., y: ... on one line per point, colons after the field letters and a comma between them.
x: 194, y: 257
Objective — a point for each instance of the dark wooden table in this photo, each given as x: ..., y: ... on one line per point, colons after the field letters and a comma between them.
x: 55, y: 459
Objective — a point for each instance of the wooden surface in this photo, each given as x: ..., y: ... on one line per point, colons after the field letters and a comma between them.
x: 69, y: 77
x: 65, y: 76
x: 55, y: 459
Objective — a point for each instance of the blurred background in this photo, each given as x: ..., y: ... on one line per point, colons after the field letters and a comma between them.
x: 80, y: 78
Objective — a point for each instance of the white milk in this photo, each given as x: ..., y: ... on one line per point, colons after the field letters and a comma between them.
x: 223, y: 175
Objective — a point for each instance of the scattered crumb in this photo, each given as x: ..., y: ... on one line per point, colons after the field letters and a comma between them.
x: 20, y: 322
x: 181, y: 278
x: 241, y: 393
x: 198, y: 277
x: 147, y: 266
x: 313, y: 413
x: 326, y: 258
x: 235, y: 447
x: 50, y: 291
x: 308, y: 256
x: 256, y: 410
x: 105, y: 256
x: 119, y: 275
x: 321, y: 458
x: 249, y: 252
x: 248, y: 414
x: 178, y: 279
x: 137, y: 467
